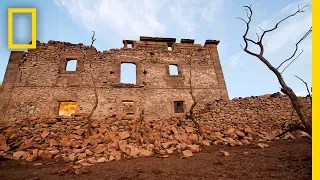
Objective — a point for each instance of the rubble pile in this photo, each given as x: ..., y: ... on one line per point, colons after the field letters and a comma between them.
x: 115, y: 138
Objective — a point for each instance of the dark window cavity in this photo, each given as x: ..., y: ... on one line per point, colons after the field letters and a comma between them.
x: 178, y: 106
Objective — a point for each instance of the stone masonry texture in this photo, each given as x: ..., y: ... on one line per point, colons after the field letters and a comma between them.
x: 131, y: 120
x: 35, y: 82
x: 237, y: 122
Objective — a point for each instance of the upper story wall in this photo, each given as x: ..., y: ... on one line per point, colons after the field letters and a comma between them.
x: 45, y: 66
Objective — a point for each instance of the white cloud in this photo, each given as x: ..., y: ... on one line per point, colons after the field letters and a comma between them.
x: 79, y: 11
x: 182, y: 16
x: 291, y: 8
x: 235, y: 60
x: 209, y: 11
x: 280, y: 43
x: 141, y: 17
x: 262, y: 25
x: 306, y: 45
x: 290, y: 30
x: 288, y: 34
x: 130, y: 18
x: 188, y: 14
x: 223, y: 48
x: 302, y: 93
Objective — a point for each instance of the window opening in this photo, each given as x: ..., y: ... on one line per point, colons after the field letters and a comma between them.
x: 173, y: 69
x: 178, y: 106
x: 128, y: 73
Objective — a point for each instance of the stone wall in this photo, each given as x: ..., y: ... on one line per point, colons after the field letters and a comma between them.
x: 236, y: 122
x: 269, y: 113
x: 37, y: 80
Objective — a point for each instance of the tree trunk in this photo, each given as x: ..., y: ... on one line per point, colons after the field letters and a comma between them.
x: 297, y: 106
x: 306, y: 121
x: 193, y: 119
x: 304, y: 118
x: 94, y: 107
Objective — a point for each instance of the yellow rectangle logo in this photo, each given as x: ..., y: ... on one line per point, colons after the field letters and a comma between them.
x: 33, y: 12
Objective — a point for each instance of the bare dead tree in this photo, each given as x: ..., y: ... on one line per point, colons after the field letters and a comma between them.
x: 307, y: 87
x: 139, y: 120
x: 285, y: 88
x: 195, y: 102
x: 92, y: 38
x: 94, y: 106
x: 292, y: 61
x: 292, y: 127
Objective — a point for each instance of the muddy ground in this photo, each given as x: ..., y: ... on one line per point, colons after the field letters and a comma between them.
x: 286, y: 159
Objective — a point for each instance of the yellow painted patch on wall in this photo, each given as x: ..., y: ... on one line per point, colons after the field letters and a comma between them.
x: 68, y: 108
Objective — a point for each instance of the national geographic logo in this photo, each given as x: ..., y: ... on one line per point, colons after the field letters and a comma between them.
x: 33, y: 12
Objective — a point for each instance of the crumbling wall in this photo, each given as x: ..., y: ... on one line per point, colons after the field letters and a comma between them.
x: 269, y: 113
x: 9, y: 80
x: 236, y: 122
x: 42, y: 82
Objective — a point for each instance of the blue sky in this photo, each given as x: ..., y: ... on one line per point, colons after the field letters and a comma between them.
x: 113, y: 21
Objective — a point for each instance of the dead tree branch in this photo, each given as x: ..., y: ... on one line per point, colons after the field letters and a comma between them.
x: 139, y: 121
x: 300, y: 10
x: 291, y: 129
x: 297, y: 46
x: 192, y: 117
x: 137, y: 128
x: 285, y: 88
x: 92, y: 38
x: 95, y: 105
x: 307, y: 87
x: 291, y: 62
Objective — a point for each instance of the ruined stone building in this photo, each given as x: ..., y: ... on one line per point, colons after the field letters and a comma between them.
x: 38, y: 82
